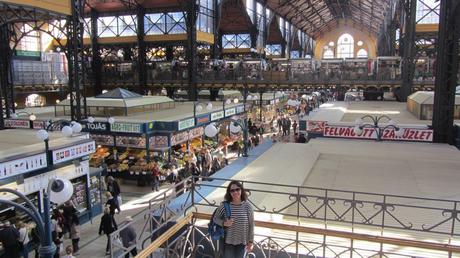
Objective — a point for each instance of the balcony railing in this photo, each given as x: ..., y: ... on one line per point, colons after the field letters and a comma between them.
x: 294, y: 221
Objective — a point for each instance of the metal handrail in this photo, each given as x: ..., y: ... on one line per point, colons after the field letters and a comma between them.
x: 355, y: 210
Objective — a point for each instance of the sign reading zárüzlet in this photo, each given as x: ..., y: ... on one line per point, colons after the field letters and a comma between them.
x: 410, y: 134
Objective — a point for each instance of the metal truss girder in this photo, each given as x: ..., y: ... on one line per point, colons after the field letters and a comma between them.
x: 446, y: 72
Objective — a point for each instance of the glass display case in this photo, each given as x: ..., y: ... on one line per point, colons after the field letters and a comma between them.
x: 8, y: 213
x: 95, y: 191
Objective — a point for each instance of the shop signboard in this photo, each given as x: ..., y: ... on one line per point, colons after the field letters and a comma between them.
x: 158, y: 142
x: 410, y: 134
x: 22, y: 165
x: 179, y: 138
x: 102, y: 139
x: 164, y: 126
x: 195, y: 132
x: 73, y: 152
x: 131, y: 141
x: 203, y: 119
x: 230, y: 112
x: 39, y: 124
x: 217, y: 115
x: 315, y: 126
x: 17, y: 123
x: 126, y: 127
x: 239, y: 109
x: 185, y: 123
x: 96, y: 126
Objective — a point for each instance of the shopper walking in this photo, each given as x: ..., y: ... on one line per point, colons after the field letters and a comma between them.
x: 111, y: 203
x: 107, y: 226
x: 128, y: 237
x: 239, y: 236
x: 114, y: 188
x: 68, y: 212
x: 75, y: 233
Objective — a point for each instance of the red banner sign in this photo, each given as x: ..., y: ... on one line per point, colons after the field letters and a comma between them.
x: 410, y: 134
x: 315, y: 126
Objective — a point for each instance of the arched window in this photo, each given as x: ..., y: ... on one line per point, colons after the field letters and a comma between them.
x: 345, y: 45
x: 362, y: 53
x: 328, y: 54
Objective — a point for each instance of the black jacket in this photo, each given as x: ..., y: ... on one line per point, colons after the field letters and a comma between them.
x: 108, y: 224
x: 9, y: 236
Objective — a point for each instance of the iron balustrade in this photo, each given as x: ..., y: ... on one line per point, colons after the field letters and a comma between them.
x: 381, y: 214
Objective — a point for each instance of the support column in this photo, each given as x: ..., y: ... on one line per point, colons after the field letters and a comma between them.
x: 75, y: 61
x: 96, y: 63
x: 192, y: 13
x: 141, y: 57
x: 6, y: 86
x: 283, y: 48
x: 408, y: 65
x: 216, y: 47
x: 446, y: 71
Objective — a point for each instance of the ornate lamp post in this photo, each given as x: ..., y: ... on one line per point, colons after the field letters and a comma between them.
x: 360, y: 125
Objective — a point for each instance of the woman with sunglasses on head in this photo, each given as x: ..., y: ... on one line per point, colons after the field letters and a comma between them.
x: 239, y: 228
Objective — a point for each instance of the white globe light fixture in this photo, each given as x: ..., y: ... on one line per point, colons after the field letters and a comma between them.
x: 198, y: 108
x: 90, y: 119
x: 42, y: 134
x: 61, y: 190
x: 111, y: 120
x: 357, y: 130
x: 210, y: 130
x: 209, y: 106
x: 228, y: 101
x: 76, y: 127
x: 234, y: 128
x: 249, y: 97
x: 67, y: 131
x: 236, y: 100
x: 304, y: 96
x: 32, y: 117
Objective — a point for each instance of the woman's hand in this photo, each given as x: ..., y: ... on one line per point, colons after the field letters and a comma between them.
x: 228, y: 222
x: 249, y: 247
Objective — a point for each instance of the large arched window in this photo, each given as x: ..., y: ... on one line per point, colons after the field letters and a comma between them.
x: 362, y: 53
x: 345, y: 46
x: 328, y: 54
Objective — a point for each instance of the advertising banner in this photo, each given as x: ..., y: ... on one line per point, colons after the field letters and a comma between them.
x: 410, y: 134
x: 186, y: 123
x: 315, y: 126
x: 17, y: 123
x: 230, y: 112
x: 201, y: 120
x: 217, y: 115
x: 23, y: 165
x: 73, y: 152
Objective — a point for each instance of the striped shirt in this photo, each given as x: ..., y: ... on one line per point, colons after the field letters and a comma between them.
x: 242, y: 230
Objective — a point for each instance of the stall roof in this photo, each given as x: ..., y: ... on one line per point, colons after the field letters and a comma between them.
x: 181, y: 111
x: 14, y: 142
x: 126, y: 103
x: 427, y: 98
x: 224, y: 93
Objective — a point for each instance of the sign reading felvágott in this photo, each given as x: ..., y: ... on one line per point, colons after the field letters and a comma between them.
x: 126, y: 128
x: 23, y: 165
x: 73, y: 152
x: 186, y: 123
x: 230, y: 112
x: 217, y: 115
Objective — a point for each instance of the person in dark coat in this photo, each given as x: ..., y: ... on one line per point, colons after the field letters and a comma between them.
x: 128, y: 237
x: 9, y: 237
x: 111, y: 203
x: 107, y: 226
x: 68, y: 212
x: 114, y: 188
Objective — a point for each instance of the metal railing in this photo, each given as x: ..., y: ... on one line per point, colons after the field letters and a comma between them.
x: 353, y: 212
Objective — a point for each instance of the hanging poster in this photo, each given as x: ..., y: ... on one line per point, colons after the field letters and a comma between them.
x: 73, y: 152
x: 22, y: 165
